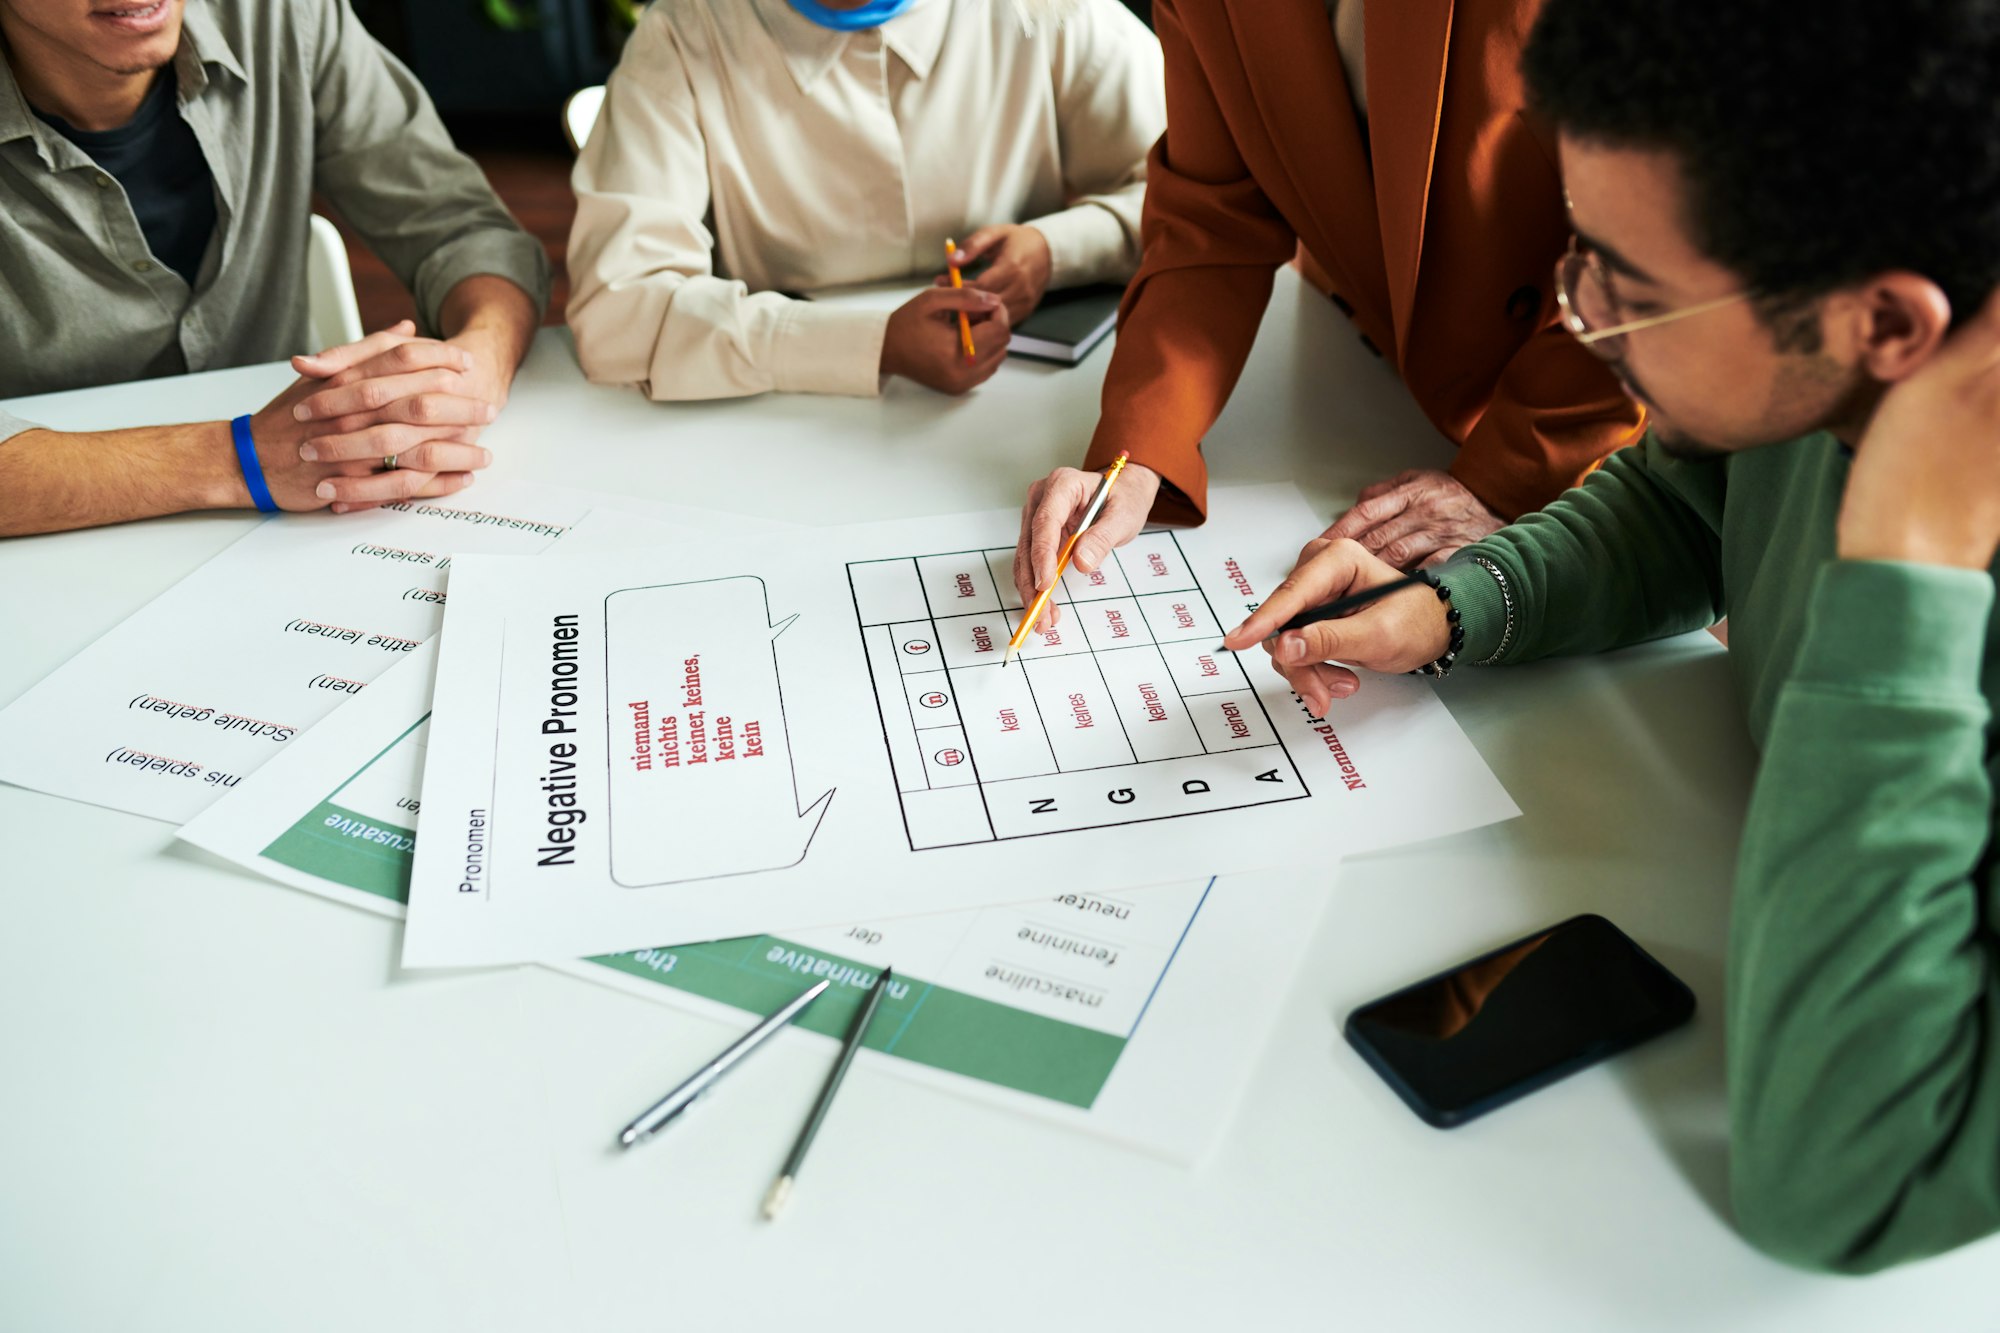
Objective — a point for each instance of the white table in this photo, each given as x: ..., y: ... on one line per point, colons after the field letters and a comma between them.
x: 222, y: 1106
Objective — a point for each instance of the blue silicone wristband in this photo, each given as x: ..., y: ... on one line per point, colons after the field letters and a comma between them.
x: 253, y: 471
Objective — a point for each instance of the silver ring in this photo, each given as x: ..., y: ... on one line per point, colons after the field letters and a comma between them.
x: 388, y: 462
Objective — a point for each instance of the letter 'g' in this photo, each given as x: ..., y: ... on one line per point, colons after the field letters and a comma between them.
x: 1123, y: 796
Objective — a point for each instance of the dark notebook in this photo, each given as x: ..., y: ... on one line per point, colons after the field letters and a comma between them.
x: 1067, y: 324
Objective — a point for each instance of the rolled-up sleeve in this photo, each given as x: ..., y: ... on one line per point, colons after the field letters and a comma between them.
x: 1111, y: 108
x: 385, y: 159
x: 647, y: 307
x: 11, y: 425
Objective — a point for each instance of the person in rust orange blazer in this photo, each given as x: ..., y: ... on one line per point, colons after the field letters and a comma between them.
x: 1436, y: 225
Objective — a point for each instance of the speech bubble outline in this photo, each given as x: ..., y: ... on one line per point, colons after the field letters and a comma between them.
x: 743, y: 779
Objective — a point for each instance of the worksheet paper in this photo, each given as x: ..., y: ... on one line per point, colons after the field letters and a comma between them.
x: 1136, y: 1016
x: 186, y: 697
x: 717, y: 740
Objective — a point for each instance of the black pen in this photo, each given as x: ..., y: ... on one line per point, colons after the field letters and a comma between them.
x: 1334, y: 610
x: 781, y: 1188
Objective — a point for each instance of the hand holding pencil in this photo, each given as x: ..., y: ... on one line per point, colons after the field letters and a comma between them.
x: 1390, y: 634
x: 1056, y: 506
x: 928, y: 335
x: 1033, y: 611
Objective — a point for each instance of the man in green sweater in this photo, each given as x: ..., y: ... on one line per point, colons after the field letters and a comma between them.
x: 1788, y: 244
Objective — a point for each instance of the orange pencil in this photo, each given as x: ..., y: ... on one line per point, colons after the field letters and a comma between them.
x: 964, y: 324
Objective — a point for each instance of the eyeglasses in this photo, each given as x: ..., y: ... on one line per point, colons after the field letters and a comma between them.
x: 1592, y: 312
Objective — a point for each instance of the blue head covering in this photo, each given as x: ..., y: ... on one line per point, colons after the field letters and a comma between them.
x: 870, y: 14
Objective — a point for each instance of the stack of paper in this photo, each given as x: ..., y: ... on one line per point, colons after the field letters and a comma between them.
x: 711, y: 772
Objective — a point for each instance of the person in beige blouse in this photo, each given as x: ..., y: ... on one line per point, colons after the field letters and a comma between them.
x: 746, y: 152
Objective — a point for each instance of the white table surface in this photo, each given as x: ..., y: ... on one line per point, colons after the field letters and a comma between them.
x: 223, y: 1106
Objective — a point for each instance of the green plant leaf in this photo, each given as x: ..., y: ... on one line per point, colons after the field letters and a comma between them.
x: 511, y: 15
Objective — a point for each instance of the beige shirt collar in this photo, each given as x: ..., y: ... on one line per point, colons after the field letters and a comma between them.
x: 915, y: 37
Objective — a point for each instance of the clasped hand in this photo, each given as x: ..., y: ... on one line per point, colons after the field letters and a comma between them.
x: 325, y: 439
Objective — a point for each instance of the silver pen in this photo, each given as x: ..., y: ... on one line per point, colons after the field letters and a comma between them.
x: 661, y: 1113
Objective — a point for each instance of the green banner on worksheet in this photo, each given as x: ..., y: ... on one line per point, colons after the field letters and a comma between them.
x: 928, y: 1024
x: 931, y: 1025
x: 336, y: 844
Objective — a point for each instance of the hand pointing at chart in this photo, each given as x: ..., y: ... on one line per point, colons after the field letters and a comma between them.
x: 1055, y: 508
x: 1399, y: 633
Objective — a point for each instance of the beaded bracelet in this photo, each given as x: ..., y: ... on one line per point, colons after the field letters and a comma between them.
x: 1441, y: 668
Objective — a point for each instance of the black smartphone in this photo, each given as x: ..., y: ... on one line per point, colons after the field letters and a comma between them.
x: 1458, y: 1044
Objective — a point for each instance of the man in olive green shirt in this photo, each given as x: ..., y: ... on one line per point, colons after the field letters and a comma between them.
x: 1787, y: 247
x: 157, y: 165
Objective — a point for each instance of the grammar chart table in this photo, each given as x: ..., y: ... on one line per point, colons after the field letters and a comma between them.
x: 1127, y: 688
x: 226, y: 1108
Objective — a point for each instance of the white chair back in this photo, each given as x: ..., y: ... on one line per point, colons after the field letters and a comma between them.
x: 331, y: 309
x: 580, y: 115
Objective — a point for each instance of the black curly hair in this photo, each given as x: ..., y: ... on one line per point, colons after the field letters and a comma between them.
x: 1821, y: 142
